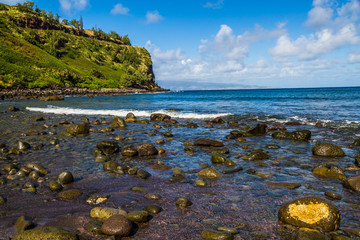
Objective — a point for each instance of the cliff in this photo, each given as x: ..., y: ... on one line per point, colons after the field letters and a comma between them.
x: 36, y: 51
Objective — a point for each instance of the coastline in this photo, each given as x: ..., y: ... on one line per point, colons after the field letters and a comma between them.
x: 43, y: 93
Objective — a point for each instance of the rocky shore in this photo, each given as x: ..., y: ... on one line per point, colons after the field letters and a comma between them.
x: 59, y: 93
x: 90, y: 177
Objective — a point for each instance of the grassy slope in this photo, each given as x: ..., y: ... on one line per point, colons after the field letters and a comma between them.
x: 49, y: 58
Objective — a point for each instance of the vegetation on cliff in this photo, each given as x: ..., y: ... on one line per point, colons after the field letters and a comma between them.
x: 37, y: 51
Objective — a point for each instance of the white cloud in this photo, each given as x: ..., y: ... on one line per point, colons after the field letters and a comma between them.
x: 153, y: 17
x: 120, y: 9
x: 354, y: 56
x: 319, y: 17
x: 12, y: 2
x: 214, y: 5
x: 73, y: 5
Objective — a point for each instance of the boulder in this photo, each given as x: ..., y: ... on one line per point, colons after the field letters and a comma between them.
x: 259, y: 129
x: 49, y: 233
x: 304, y: 135
x: 147, y: 150
x: 117, y: 225
x: 108, y: 147
x: 208, y: 143
x: 329, y: 171
x: 118, y: 122
x: 159, y: 117
x: 310, y: 212
x: 129, y: 151
x: 78, y: 129
x: 353, y: 183
x: 327, y: 150
x: 130, y: 115
x: 65, y: 177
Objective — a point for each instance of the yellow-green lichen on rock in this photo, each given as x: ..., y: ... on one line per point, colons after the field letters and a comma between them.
x: 310, y: 212
x: 103, y: 213
x: 49, y: 233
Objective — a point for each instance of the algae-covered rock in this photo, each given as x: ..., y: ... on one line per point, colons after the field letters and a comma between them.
x: 110, y: 166
x: 310, y: 212
x: 183, y: 202
x: 97, y: 198
x: 78, y: 129
x: 147, y: 150
x: 216, y: 235
x: 217, y: 158
x: 209, y: 173
x: 118, y: 225
x: 37, y: 167
x: 303, y: 135
x: 69, y: 194
x: 329, y: 171
x: 94, y: 226
x: 118, y: 122
x: 23, y: 223
x: 49, y: 233
x: 327, y: 150
x: 129, y: 151
x: 284, y: 184
x: 103, y: 213
x: 138, y: 216
x: 258, y: 155
x: 153, y: 209
x: 108, y: 147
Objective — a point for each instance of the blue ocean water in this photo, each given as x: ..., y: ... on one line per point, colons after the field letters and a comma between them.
x: 334, y: 107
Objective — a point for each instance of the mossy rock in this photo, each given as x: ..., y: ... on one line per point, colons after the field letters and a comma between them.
x: 103, y: 213
x: 209, y: 173
x: 216, y: 235
x: 78, y: 129
x: 118, y: 122
x: 49, y: 233
x: 217, y: 158
x: 327, y: 150
x: 139, y: 216
x: 310, y: 212
x: 329, y: 171
x: 303, y: 135
x: 353, y: 183
x: 69, y: 194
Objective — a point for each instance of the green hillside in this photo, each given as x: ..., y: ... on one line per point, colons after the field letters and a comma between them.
x: 37, y: 51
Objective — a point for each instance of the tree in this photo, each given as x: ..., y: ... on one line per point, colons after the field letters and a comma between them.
x: 37, y: 9
x: 57, y: 18
x: 126, y: 40
x: 50, y: 15
x: 81, y: 23
x: 65, y: 21
x: 74, y: 23
x: 29, y: 5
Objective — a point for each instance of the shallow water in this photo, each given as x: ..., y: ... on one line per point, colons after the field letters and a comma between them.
x: 239, y: 200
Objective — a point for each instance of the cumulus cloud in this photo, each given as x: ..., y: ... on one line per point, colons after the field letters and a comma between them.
x: 119, y: 9
x: 354, y: 56
x: 73, y: 5
x: 153, y: 17
x: 214, y: 5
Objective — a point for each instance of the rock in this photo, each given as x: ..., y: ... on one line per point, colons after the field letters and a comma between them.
x: 259, y: 129
x: 228, y: 230
x: 12, y: 108
x: 218, y: 120
x: 70, y: 194
x: 101, y: 158
x: 258, y: 155
x: 200, y: 183
x: 277, y: 127
x: 159, y: 117
x: 147, y: 150
x: 152, y: 196
x: 209, y: 173
x: 34, y: 174
x: 142, y: 174
x: 8, y: 167
x: 52, y: 98
x: 216, y: 235
x: 97, y: 198
x: 192, y: 125
x: 284, y: 184
x: 356, y: 142
x: 139, y: 216
x: 183, y: 202
x: 310, y: 212
x: 48, y: 233
x: 233, y: 170
x: 117, y: 225
x: 103, y: 213
x: 37, y: 167
x: 2, y: 200
x: 108, y: 147
x: 14, y: 151
x: 160, y: 141
x: 310, y: 234
x: 329, y: 171
x: 272, y: 146
x: 78, y: 129
x: 153, y: 209
x: 65, y: 177
x: 129, y: 151
x: 357, y: 159
x: 353, y: 183
x: 130, y: 115
x: 110, y: 166
x: 118, y: 122
x: 23, y: 146
x: 94, y: 226
x: 304, y: 135
x: 106, y: 129
x: 55, y: 186
x: 38, y: 119
x: 333, y: 195
x: 23, y: 223
x: 217, y: 158
x: 144, y: 121
x: 327, y: 150
x: 168, y: 134
x: 208, y: 143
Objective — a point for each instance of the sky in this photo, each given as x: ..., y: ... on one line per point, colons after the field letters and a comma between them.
x: 232, y: 44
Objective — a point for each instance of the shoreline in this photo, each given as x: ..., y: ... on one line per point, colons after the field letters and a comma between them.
x: 44, y: 93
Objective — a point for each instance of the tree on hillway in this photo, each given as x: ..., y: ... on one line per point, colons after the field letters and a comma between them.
x: 126, y: 40
x: 50, y: 15
x: 65, y: 21
x: 57, y: 18
x: 74, y: 23
x: 81, y: 23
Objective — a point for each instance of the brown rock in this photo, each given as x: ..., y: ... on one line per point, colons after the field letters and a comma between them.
x: 117, y: 225
x: 147, y: 150
x: 208, y: 143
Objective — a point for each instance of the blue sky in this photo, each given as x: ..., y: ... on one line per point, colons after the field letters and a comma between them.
x: 212, y: 44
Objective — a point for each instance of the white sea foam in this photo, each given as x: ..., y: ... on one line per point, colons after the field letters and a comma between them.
x: 123, y: 112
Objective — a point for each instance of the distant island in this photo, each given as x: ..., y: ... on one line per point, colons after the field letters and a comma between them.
x: 37, y: 51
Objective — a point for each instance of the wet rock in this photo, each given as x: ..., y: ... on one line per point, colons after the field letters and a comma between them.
x: 34, y: 174
x: 219, y: 150
x: 277, y: 127
x: 329, y: 171
x: 101, y: 159
x: 208, y: 143
x: 23, y: 223
x: 200, y: 183
x: 192, y: 125
x: 55, y: 186
x: 168, y: 135
x: 78, y: 129
x: 233, y: 170
x: 94, y: 226
x: 147, y: 150
x: 284, y: 184
x: 332, y: 195
x: 97, y: 198
x: 353, y: 183
x: 152, y: 196
x: 110, y: 166
x: 218, y: 120
x: 310, y: 212
x: 117, y: 225
x: 357, y: 159
x: 48, y: 233
x: 160, y: 141
x: 129, y: 151
x: 327, y: 150
x: 304, y: 135
x: 217, y: 158
x: 23, y: 146
x: 70, y: 194
x: 138, y: 216
x: 118, y: 122
x: 310, y: 234
x: 96, y: 122
x: 65, y: 177
x: 258, y: 155
x: 52, y: 98
x: 183, y: 202
x: 38, y: 119
x: 209, y: 173
x: 159, y: 117
x: 130, y: 115
x: 259, y: 129
x: 216, y: 235
x: 14, y: 151
x: 12, y: 108
x: 108, y: 147
x: 37, y: 167
x: 356, y: 142
x: 107, y: 129
x: 153, y: 209
x: 228, y: 230
x: 272, y: 146
x: 144, y: 121
x: 2, y: 200
x: 142, y: 174
x: 103, y: 213
x: 8, y: 167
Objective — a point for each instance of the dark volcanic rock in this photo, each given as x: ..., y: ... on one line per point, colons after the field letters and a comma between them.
x: 327, y: 150
x: 117, y: 225
x: 108, y: 147
x: 147, y: 150
x: 208, y: 143
x: 303, y: 135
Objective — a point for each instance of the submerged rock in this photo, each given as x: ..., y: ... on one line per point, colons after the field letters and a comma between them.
x: 329, y: 171
x: 284, y: 184
x: 327, y: 150
x: 129, y: 151
x: 147, y: 150
x: 108, y: 147
x: 70, y: 194
x: 208, y: 143
x: 310, y: 212
x: 183, y: 202
x: 49, y: 233
x: 23, y: 223
x: 117, y: 225
x: 216, y: 235
x: 258, y: 155
x: 310, y: 234
x: 304, y: 135
x: 217, y: 158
